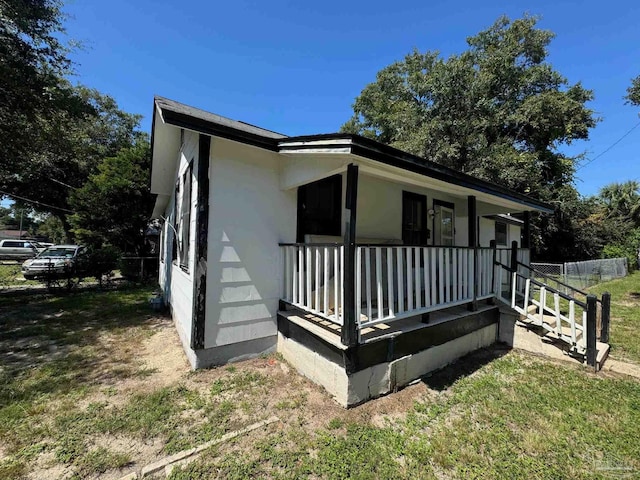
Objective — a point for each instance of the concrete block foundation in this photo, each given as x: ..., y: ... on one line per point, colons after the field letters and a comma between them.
x: 351, y: 389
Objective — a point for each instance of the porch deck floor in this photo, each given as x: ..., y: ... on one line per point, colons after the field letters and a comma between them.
x: 330, y: 332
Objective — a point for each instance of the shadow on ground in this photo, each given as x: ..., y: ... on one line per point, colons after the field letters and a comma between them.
x: 463, y: 367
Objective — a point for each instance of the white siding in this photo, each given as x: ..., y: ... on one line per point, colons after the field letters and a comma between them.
x: 249, y: 215
x: 514, y: 234
x: 177, y: 284
x: 380, y: 209
x: 487, y: 231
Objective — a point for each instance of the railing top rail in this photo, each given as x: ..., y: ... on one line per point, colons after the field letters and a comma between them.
x: 408, y: 245
x: 546, y: 287
x: 545, y: 275
x: 328, y: 244
x: 554, y: 290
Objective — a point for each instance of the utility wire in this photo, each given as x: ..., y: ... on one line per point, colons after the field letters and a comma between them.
x: 35, y: 201
x: 609, y: 148
x: 63, y: 184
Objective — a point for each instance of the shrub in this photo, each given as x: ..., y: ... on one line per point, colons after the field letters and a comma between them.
x: 98, y: 262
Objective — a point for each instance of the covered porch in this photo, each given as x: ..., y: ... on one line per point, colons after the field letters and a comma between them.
x: 393, y: 271
x: 377, y: 243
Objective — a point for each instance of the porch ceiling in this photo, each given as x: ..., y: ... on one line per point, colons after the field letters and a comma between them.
x: 311, y: 161
x: 388, y: 162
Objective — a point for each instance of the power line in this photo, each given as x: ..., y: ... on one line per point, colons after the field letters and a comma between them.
x: 609, y: 148
x: 63, y: 184
x: 35, y: 201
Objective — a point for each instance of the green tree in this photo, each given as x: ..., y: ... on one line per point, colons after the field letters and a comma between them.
x: 498, y: 111
x: 622, y: 201
x: 18, y: 215
x: 633, y: 92
x: 53, y: 133
x: 53, y: 229
x: 113, y: 206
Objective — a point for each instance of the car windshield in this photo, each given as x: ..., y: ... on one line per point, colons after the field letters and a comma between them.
x: 55, y: 252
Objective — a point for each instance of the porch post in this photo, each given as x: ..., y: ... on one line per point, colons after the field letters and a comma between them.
x: 591, y: 331
x: 202, y: 235
x: 349, y: 326
x: 495, y: 288
x: 514, y: 265
x: 473, y: 220
x: 606, y: 317
x: 473, y: 243
x: 526, y: 231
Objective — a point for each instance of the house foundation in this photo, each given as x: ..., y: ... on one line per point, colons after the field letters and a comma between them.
x: 391, y: 357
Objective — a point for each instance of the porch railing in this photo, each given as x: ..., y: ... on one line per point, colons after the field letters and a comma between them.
x: 576, y: 318
x: 391, y: 282
x: 394, y: 282
x: 313, y: 278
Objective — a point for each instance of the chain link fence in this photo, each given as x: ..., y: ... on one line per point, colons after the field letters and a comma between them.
x: 585, y: 274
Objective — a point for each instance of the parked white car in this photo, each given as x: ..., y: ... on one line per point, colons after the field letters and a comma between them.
x: 19, y: 249
x: 56, y: 260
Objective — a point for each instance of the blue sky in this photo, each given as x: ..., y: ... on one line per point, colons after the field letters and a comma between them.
x: 296, y: 67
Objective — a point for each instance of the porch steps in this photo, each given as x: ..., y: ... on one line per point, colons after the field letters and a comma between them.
x: 524, y: 335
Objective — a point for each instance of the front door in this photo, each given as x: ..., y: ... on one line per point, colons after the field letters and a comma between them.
x: 443, y: 223
x: 414, y: 219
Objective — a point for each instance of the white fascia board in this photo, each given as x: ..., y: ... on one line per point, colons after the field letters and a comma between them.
x: 165, y: 155
x: 315, y: 143
x: 321, y: 151
x: 160, y: 207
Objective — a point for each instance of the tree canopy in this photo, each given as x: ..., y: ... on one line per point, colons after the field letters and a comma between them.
x: 498, y: 111
x: 633, y: 92
x: 53, y: 133
x: 114, y: 205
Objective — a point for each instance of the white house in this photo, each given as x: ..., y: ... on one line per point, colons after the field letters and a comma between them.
x: 353, y: 258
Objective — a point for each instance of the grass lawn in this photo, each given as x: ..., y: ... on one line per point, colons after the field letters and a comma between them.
x: 93, y: 385
x: 11, y: 275
x: 625, y: 316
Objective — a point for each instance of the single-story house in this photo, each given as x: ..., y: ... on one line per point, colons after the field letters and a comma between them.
x: 364, y: 265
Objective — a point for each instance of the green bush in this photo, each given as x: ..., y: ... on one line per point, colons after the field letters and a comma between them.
x: 628, y: 249
x: 99, y: 262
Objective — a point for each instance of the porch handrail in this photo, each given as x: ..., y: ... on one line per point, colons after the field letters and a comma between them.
x: 587, y: 328
x: 542, y: 284
x: 302, y: 244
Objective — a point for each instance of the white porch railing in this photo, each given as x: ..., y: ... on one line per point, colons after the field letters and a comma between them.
x: 313, y: 279
x: 391, y: 282
x: 544, y: 306
x: 398, y: 282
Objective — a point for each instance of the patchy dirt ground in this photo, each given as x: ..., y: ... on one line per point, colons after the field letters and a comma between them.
x: 111, y: 390
x: 279, y: 391
x: 96, y: 386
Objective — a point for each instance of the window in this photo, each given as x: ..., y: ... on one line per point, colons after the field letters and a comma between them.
x: 185, y: 216
x: 319, y: 208
x: 444, y: 223
x: 163, y: 235
x: 501, y: 233
x: 176, y: 224
x: 14, y: 244
x: 414, y: 219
